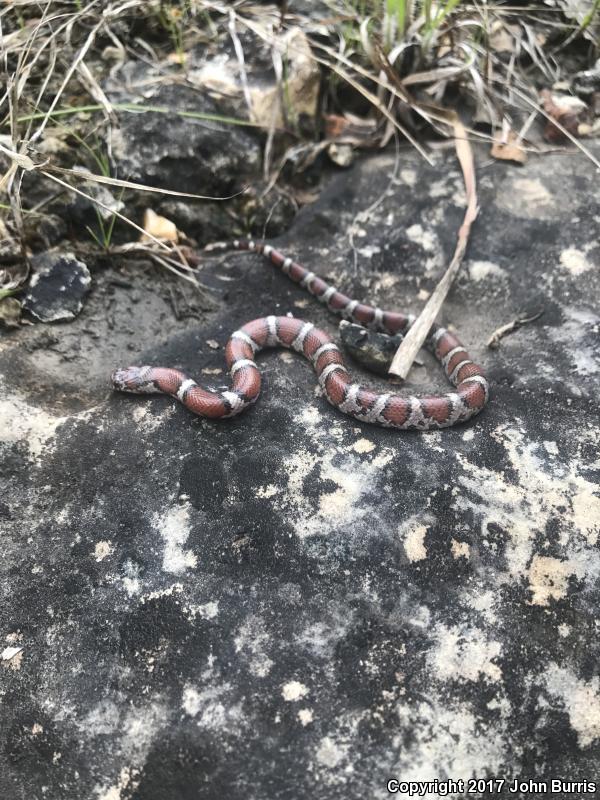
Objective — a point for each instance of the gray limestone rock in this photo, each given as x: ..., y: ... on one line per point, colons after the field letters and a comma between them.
x: 57, y: 287
x: 290, y: 603
x: 170, y: 147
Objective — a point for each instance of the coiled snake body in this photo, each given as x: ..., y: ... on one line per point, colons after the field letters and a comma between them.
x: 387, y: 409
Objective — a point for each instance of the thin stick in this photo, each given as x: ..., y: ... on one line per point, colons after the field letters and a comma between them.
x: 413, y: 341
x: 494, y: 341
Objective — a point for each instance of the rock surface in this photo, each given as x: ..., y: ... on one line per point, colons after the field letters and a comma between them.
x: 57, y: 287
x: 169, y: 146
x: 291, y: 604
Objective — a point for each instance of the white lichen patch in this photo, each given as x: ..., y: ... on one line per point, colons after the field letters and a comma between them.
x: 549, y: 579
x: 528, y: 198
x: 131, y: 578
x: 551, y: 448
x: 447, y: 738
x: 333, y: 507
x: 413, y: 536
x: 137, y: 730
x: 408, y: 177
x: 441, y: 188
x: 320, y: 639
x: 309, y: 416
x: 348, y: 476
x: 305, y: 716
x: 484, y: 270
x: 575, y: 261
x: 464, y: 654
x: 209, y: 700
x: 384, y: 282
x: 330, y: 753
x: 208, y: 610
x: 482, y: 601
x: 127, y: 782
x: 363, y: 446
x: 102, y: 550
x: 210, y: 706
x: 292, y: 691
x: 148, y: 418
x: 523, y: 507
x: 23, y: 422
x: 333, y: 504
x: 579, y: 698
x: 368, y: 251
x: 385, y: 456
x: 426, y: 239
x: 460, y: 549
x: 577, y: 337
x: 103, y: 719
x: 174, y: 527
x: 252, y: 641
x: 168, y: 591
x: 270, y: 490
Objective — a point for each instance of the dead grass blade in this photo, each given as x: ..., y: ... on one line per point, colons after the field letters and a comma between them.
x: 342, y: 73
x: 239, y: 53
x: 134, y: 108
x: 413, y: 341
x: 389, y: 81
x: 374, y: 100
x: 77, y: 60
x: 140, y: 187
x: 95, y: 90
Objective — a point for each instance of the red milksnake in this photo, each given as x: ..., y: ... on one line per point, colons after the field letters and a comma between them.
x: 387, y: 409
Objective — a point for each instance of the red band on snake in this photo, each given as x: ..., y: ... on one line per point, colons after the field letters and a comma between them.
x: 387, y: 409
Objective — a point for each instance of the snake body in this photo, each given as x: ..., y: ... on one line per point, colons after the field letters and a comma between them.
x: 387, y: 409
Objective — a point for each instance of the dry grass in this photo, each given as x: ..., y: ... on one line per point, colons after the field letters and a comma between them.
x: 404, y: 63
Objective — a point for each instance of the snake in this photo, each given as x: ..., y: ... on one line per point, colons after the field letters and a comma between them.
x: 387, y: 409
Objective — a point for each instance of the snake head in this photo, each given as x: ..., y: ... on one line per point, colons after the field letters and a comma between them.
x: 133, y: 379
x: 371, y: 349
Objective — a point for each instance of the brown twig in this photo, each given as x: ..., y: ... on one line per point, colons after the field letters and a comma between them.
x: 413, y: 341
x: 494, y: 341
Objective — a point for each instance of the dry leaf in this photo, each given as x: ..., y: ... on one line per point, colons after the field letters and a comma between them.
x: 158, y: 227
x: 510, y: 150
